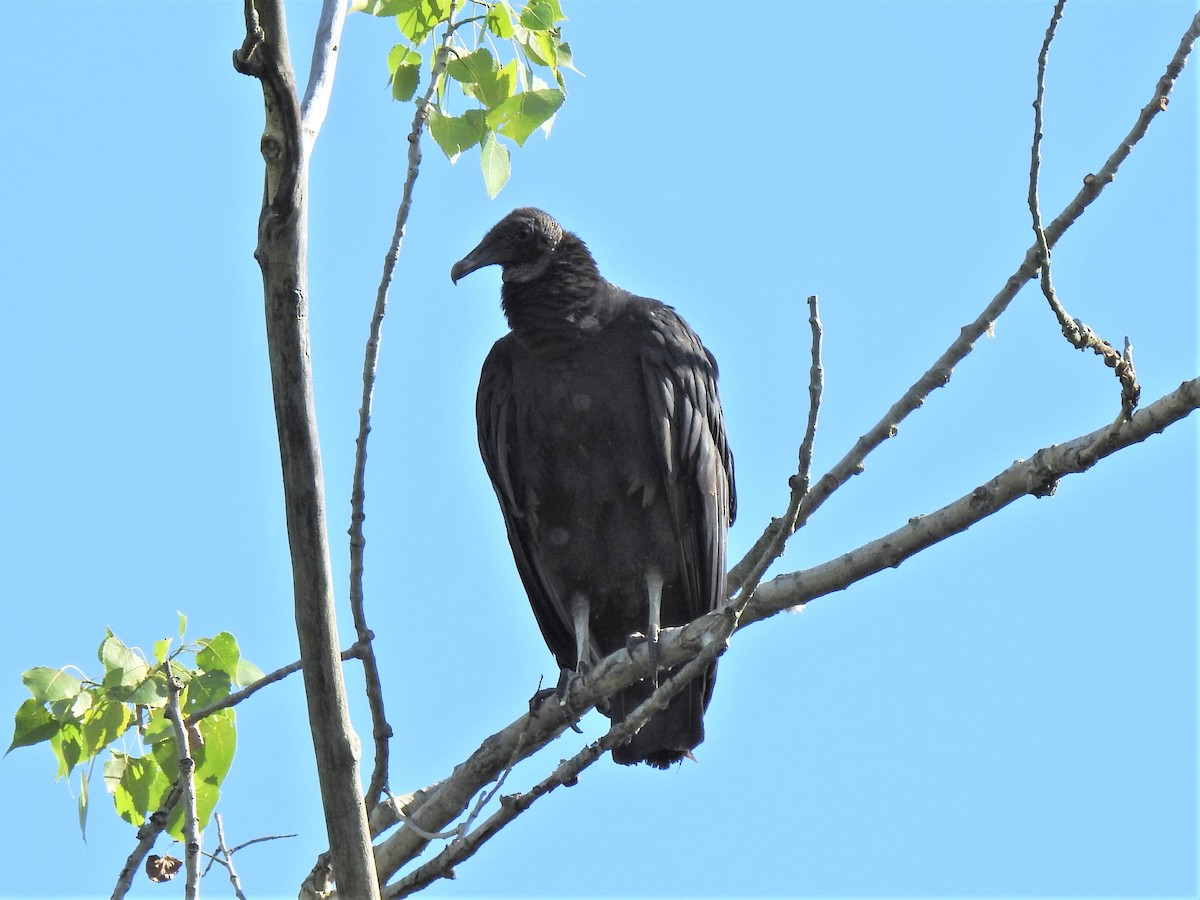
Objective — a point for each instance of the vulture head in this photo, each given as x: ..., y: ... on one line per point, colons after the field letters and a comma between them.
x: 522, y: 244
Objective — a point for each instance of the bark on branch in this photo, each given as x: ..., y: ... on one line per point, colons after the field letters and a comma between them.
x: 443, y: 803
x: 282, y: 255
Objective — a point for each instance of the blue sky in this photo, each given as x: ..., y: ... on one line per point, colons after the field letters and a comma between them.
x: 1011, y: 713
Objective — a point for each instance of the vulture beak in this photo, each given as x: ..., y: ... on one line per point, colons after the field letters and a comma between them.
x: 478, y: 258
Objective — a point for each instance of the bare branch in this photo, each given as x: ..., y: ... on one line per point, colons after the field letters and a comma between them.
x: 1038, y: 476
x: 351, y: 652
x: 187, y: 771
x: 939, y: 373
x: 745, y: 576
x: 326, y: 45
x: 1075, y: 331
x: 381, y: 731
x: 228, y: 861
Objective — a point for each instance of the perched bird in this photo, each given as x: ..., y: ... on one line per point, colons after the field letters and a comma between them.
x: 601, y: 430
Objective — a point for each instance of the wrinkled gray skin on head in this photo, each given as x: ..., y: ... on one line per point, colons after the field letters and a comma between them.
x: 522, y: 243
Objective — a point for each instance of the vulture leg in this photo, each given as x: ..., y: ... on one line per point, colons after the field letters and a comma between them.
x: 580, y: 613
x: 654, y: 586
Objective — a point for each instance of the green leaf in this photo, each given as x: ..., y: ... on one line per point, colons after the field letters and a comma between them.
x: 405, y: 66
x: 379, y: 7
x: 182, y: 625
x: 470, y: 67
x: 482, y: 78
x: 454, y: 134
x: 141, y: 789
x: 247, y: 673
x: 566, y: 59
x: 404, y: 82
x: 205, y: 689
x: 543, y: 47
x: 519, y: 116
x: 158, y: 728
x: 114, y: 768
x: 502, y: 85
x: 402, y: 54
x: 499, y: 20
x: 493, y: 159
x: 71, y: 709
x: 417, y: 18
x: 32, y: 726
x: 123, y: 667
x: 213, y: 756
x: 161, y: 649
x: 152, y: 692
x: 102, y: 724
x: 540, y: 15
x: 83, y: 806
x: 67, y: 745
x: 219, y: 653
x: 48, y: 685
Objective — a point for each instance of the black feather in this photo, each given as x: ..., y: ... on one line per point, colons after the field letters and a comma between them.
x: 601, y: 429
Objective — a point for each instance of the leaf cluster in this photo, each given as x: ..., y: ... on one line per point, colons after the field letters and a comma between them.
x: 123, y: 712
x: 510, y: 98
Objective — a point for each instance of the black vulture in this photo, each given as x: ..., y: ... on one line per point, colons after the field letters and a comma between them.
x: 601, y: 430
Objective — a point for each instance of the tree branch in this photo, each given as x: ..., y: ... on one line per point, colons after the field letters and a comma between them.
x: 187, y: 770
x: 234, y: 881
x: 1038, y: 476
x: 282, y: 256
x: 1077, y: 333
x: 229, y: 700
x: 939, y: 373
x: 745, y: 576
x: 567, y: 772
x: 326, y: 44
x: 381, y: 730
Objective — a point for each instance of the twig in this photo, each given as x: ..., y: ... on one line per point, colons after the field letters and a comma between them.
x: 249, y: 690
x: 228, y: 854
x: 146, y: 836
x: 381, y: 730
x: 1075, y: 331
x: 769, y: 547
x: 939, y: 373
x: 187, y: 772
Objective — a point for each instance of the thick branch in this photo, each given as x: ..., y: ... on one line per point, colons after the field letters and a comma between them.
x: 464, y: 846
x: 1038, y: 476
x: 447, y: 800
x: 532, y: 731
x: 282, y: 255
